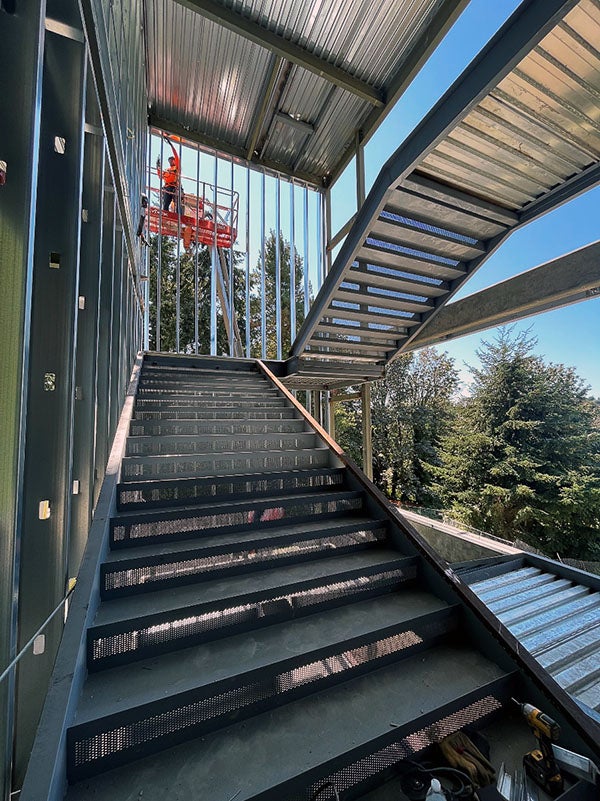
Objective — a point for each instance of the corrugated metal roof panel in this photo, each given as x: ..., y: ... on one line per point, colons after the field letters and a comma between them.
x: 209, y: 77
x: 343, y: 32
x: 556, y: 619
x: 210, y: 81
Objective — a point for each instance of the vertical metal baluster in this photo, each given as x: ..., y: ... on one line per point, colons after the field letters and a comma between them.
x: 159, y: 260
x: 231, y: 274
x: 263, y: 309
x: 278, y: 326
x: 292, y: 266
x: 213, y: 272
x: 306, y: 256
x: 196, y: 298
x: 178, y: 267
x: 147, y: 250
x: 248, y: 331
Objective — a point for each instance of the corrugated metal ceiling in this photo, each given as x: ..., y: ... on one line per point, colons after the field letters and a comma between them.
x: 210, y: 82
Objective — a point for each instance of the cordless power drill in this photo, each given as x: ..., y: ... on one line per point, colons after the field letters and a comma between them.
x: 540, y: 764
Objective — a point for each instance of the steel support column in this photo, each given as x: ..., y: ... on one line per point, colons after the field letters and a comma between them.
x: 367, y: 433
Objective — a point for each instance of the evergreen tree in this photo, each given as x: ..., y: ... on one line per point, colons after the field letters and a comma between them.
x: 523, y: 457
x: 409, y: 413
x: 270, y: 297
x: 168, y: 297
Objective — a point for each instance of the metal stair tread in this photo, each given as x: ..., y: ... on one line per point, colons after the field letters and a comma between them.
x: 144, y: 439
x: 150, y: 483
x: 289, y: 425
x: 223, y: 588
x: 168, y: 513
x: 247, y: 538
x: 119, y: 688
x: 216, y: 454
x: 283, y: 743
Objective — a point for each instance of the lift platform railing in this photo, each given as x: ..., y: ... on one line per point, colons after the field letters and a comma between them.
x: 207, y: 218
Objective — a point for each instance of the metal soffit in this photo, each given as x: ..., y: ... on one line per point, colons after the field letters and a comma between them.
x: 516, y: 135
x: 286, y: 84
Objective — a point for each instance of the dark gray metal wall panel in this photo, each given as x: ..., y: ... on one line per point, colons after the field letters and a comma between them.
x: 21, y: 42
x: 87, y: 325
x: 115, y: 37
x: 51, y: 374
x: 103, y: 338
x: 115, y: 380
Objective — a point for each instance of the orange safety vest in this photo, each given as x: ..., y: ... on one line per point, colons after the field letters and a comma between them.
x: 170, y: 176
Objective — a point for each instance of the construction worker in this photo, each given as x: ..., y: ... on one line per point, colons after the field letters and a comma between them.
x: 171, y: 181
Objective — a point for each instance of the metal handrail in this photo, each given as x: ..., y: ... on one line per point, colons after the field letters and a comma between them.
x: 25, y: 648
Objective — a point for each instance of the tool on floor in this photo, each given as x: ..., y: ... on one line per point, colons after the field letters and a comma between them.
x: 462, y: 753
x: 540, y: 764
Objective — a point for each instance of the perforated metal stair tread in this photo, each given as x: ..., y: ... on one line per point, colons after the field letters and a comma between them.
x: 201, y: 444
x: 159, y: 428
x: 233, y: 506
x: 121, y: 687
x: 292, y: 740
x: 174, y: 394
x: 279, y: 579
x: 224, y: 463
x: 252, y: 478
x: 198, y: 413
x: 246, y: 539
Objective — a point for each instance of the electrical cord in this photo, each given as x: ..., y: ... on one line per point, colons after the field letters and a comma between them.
x: 416, y: 781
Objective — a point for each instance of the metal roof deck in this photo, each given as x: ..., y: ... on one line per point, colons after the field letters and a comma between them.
x: 515, y: 136
x: 554, y: 612
x: 285, y: 84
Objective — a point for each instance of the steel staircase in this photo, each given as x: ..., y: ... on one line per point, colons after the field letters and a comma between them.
x: 266, y: 622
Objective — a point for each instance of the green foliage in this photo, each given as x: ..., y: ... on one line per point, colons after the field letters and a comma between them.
x: 348, y: 428
x: 168, y: 296
x: 409, y: 411
x: 522, y: 458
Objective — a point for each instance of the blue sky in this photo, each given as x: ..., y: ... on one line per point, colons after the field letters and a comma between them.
x: 570, y: 335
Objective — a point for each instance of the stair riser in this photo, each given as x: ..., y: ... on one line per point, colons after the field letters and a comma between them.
x: 141, y: 638
x: 202, y: 428
x: 175, y: 394
x: 150, y: 728
x: 186, y: 492
x: 162, y: 403
x: 136, y: 576
x: 175, y: 374
x: 255, y: 515
x: 159, y: 446
x: 135, y: 468
x: 285, y: 413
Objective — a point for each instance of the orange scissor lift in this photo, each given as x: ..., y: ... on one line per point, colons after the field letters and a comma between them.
x: 207, y: 218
